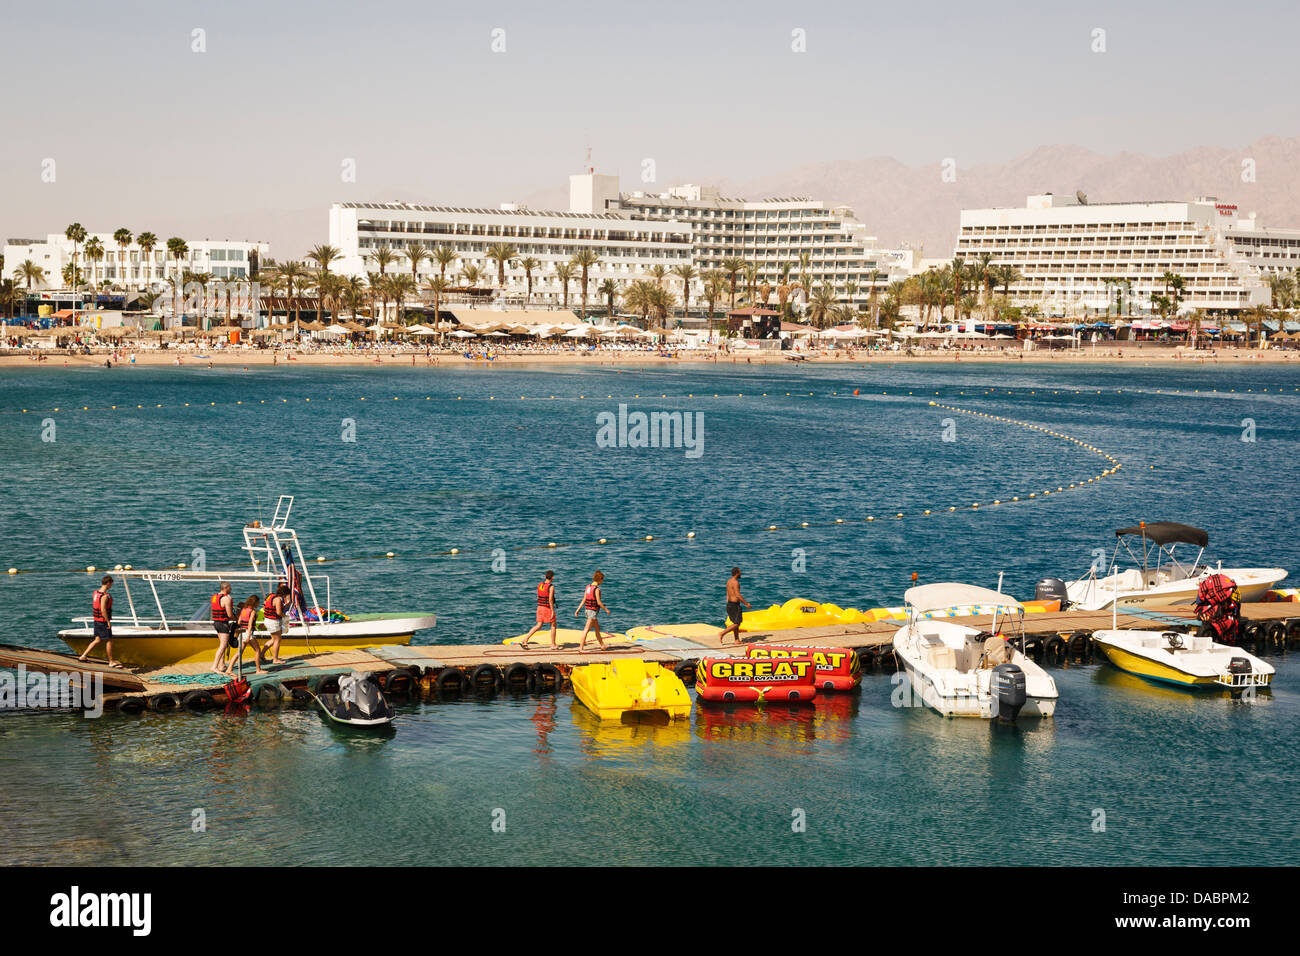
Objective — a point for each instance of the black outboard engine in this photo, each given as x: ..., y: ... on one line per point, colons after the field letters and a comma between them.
x: 1007, y: 685
x: 1052, y: 589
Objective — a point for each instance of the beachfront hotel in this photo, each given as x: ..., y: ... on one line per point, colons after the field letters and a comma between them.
x: 130, y: 266
x: 1073, y: 253
x: 630, y: 232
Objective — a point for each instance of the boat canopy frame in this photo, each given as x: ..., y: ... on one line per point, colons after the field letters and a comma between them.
x: 932, y: 597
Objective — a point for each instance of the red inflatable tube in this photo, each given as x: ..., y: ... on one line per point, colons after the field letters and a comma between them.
x: 837, y: 667
x: 790, y: 680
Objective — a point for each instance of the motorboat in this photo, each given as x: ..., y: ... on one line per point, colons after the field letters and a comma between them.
x: 1160, y: 578
x: 962, y: 671
x: 359, y: 702
x: 1184, y: 659
x: 312, y: 625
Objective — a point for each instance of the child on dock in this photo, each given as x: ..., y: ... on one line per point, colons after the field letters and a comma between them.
x: 545, y: 609
x: 593, y: 605
x: 246, y: 632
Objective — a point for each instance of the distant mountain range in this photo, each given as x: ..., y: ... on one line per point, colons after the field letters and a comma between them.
x: 901, y: 203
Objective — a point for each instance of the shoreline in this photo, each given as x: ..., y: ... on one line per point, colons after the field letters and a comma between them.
x: 197, y: 357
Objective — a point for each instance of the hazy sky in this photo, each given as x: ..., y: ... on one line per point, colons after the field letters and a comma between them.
x: 248, y: 139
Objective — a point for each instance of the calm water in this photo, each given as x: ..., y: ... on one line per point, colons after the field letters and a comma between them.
x: 489, y: 472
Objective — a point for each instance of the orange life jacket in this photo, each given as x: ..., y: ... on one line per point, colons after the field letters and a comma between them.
x: 101, y: 604
x: 268, y: 608
x: 589, y: 597
x: 218, y: 609
x: 246, y: 616
x: 544, y: 592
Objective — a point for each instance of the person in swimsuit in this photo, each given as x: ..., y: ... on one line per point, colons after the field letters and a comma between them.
x: 223, y: 616
x: 593, y: 605
x: 101, y: 606
x: 545, y: 609
x: 734, y: 600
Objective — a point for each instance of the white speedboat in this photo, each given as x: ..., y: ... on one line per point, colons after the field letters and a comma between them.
x: 964, y: 672
x: 1184, y: 659
x: 312, y: 626
x: 1160, y: 578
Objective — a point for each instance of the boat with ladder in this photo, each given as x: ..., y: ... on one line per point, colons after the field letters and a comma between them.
x: 312, y: 626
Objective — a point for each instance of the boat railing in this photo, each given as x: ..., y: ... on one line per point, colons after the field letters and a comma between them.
x: 1252, y: 679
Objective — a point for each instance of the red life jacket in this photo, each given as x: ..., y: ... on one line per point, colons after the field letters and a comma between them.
x: 218, y: 609
x: 544, y: 592
x: 246, y: 616
x: 268, y: 609
x: 101, y: 604
x: 589, y: 597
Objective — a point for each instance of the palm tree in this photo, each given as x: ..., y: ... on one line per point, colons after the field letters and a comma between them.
x: 981, y: 271
x: 29, y: 272
x: 584, y: 260
x: 437, y: 285
x: 372, y: 286
x: 732, y: 266
x: 685, y: 272
x: 401, y: 287
x: 530, y: 265
x: 444, y: 256
x: 638, y: 297
x: 178, y: 249
x: 94, y: 252
x: 329, y: 288
x: 609, y: 289
x: 1282, y: 290
x: 383, y: 257
x: 658, y: 273
x: 293, y: 273
x: 77, y: 233
x: 147, y: 241
x: 716, y: 284
x: 472, y: 275
x: 324, y: 255
x: 503, y: 254
x: 10, y: 293
x: 353, y: 294
x: 751, y: 281
x: 123, y: 239
x: 821, y: 304
x: 416, y: 252
x: 564, y: 273
x: 957, y: 273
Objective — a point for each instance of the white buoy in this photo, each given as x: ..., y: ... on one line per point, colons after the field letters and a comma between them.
x: 690, y: 534
x: 13, y: 570
x: 550, y: 544
x: 90, y: 569
x: 602, y: 541
x: 389, y: 554
x: 455, y: 550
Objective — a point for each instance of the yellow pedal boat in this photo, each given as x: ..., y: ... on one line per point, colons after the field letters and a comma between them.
x: 632, y: 686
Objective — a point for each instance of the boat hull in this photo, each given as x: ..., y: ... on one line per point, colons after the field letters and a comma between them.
x: 1154, y: 670
x: 1252, y: 585
x: 151, y: 647
x: 964, y: 705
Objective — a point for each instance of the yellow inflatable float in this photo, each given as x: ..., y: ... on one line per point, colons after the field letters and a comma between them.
x: 801, y: 613
x: 630, y: 686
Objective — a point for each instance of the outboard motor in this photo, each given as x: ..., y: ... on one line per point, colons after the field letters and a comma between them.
x: 1007, y: 685
x: 1052, y: 589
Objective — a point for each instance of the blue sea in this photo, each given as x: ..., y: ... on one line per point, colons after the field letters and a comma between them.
x: 499, y: 462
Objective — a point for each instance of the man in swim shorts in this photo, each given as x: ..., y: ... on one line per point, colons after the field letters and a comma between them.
x: 734, y: 600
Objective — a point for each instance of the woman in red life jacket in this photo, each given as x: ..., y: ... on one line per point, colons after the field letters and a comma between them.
x: 223, y: 613
x: 273, y: 611
x: 593, y: 605
x: 545, y: 609
x: 246, y: 630
x: 101, y: 606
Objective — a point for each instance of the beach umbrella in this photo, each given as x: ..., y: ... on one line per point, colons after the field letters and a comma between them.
x: 463, y: 334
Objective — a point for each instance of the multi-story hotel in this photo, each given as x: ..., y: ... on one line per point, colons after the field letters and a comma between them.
x: 770, y: 233
x: 130, y: 267
x: 1071, y: 253
x: 626, y: 248
x: 630, y: 232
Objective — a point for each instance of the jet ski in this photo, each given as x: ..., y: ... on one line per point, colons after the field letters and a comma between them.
x: 359, y: 702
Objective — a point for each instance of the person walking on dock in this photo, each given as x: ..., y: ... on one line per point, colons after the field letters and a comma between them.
x: 734, y: 600
x: 273, y: 617
x: 246, y: 632
x: 223, y: 616
x: 101, y: 607
x: 545, y: 609
x: 593, y: 605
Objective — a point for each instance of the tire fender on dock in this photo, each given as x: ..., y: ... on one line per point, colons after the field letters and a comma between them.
x: 197, y: 700
x: 400, y: 681
x: 518, y: 677
x: 162, y: 703
x: 486, y: 678
x: 685, y: 672
x: 269, y: 693
x: 131, y: 705
x: 1293, y: 633
x: 451, y: 680
x: 547, y: 678
x: 324, y: 684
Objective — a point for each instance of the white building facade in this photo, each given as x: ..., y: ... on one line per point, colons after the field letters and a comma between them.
x: 1073, y: 254
x: 130, y: 267
x: 626, y: 248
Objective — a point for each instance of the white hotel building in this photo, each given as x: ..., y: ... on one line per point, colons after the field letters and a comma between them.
x: 1072, y: 254
x: 631, y: 232
x: 130, y: 267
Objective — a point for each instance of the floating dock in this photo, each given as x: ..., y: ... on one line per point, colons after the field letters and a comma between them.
x: 1060, y: 637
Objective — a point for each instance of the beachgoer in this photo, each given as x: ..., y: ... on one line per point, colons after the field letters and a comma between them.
x: 545, y: 609
x: 246, y: 631
x: 101, y: 606
x: 273, y: 618
x: 593, y: 605
x: 223, y: 614
x: 734, y: 600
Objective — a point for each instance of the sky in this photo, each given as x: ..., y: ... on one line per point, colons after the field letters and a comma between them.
x: 121, y: 114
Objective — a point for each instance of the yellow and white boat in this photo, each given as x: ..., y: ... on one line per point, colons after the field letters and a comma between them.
x: 312, y: 626
x: 630, y: 687
x: 1181, y: 658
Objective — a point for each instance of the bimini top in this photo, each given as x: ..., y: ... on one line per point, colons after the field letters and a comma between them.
x: 934, y: 597
x: 1167, y: 532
